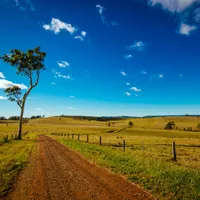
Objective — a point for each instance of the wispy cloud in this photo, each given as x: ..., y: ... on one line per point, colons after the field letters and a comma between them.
x: 30, y: 4
x: 135, y: 89
x: 59, y: 75
x: 128, y: 84
x: 186, y: 29
x: 123, y: 73
x: 129, y: 56
x: 70, y: 108
x: 180, y: 75
x: 57, y: 25
x: 6, y: 84
x: 1, y: 75
x: 137, y: 46
x: 72, y: 96
x: 173, y: 5
x: 101, y: 10
x: 82, y: 36
x: 63, y: 64
x: 79, y: 37
x: 160, y: 75
x: 127, y: 93
x: 83, y: 33
x: 185, y: 10
x: 53, y: 83
x: 25, y: 5
x: 3, y: 98
x: 143, y: 72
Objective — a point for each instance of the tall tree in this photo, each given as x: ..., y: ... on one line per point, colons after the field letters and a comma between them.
x: 28, y: 64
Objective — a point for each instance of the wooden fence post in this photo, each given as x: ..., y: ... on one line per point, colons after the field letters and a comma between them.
x: 87, y: 138
x: 100, y: 140
x: 174, y: 151
x: 78, y: 136
x: 124, y: 145
x: 72, y: 136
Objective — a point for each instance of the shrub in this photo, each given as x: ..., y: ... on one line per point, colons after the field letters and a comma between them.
x: 170, y: 125
x: 5, y: 139
x: 130, y: 124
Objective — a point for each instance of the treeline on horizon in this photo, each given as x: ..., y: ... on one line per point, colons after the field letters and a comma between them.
x: 97, y: 118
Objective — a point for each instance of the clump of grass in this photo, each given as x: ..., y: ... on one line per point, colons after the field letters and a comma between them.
x: 165, y: 180
x: 5, y: 139
x: 13, y: 157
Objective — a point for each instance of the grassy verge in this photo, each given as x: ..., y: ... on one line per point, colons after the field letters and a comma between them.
x: 165, y: 180
x: 13, y: 157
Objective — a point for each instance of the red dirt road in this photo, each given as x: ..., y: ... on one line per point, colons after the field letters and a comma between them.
x: 56, y: 172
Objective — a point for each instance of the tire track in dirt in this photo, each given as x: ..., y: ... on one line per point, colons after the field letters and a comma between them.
x: 56, y: 172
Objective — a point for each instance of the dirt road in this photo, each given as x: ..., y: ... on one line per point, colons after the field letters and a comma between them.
x: 56, y: 172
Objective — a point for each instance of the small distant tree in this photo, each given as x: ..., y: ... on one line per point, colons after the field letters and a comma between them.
x: 109, y: 124
x: 130, y: 124
x: 27, y: 64
x: 198, y: 126
x: 170, y: 125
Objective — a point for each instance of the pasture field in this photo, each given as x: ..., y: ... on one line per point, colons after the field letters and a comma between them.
x: 14, y: 156
x: 146, y: 161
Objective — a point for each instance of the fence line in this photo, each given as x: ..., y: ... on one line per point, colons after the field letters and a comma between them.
x: 101, y: 142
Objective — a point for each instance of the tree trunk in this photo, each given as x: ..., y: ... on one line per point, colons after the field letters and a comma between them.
x: 19, y: 137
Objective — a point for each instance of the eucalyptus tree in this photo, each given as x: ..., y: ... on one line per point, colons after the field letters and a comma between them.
x: 28, y: 64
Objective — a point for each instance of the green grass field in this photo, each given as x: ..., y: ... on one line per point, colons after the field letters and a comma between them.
x: 146, y: 161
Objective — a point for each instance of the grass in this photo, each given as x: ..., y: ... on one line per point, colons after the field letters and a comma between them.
x: 13, y: 157
x: 147, y: 160
x: 165, y: 180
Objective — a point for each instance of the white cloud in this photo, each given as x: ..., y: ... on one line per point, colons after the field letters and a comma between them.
x: 160, y: 75
x: 143, y: 72
x: 136, y: 95
x: 173, y: 5
x: 72, y: 96
x: 1, y: 75
x: 123, y: 73
x: 127, y: 93
x: 128, y: 56
x: 137, y: 46
x: 79, y: 37
x: 135, y: 89
x: 197, y: 15
x: 56, y: 26
x: 3, y: 98
x: 128, y: 83
x: 59, y: 75
x: 53, y: 83
x: 83, y: 33
x: 70, y: 108
x: 63, y: 64
x: 186, y: 29
x: 6, y: 84
x: 100, y: 10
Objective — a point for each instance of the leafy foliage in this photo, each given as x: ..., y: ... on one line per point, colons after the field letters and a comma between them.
x: 170, y: 125
x: 27, y: 64
x: 130, y: 124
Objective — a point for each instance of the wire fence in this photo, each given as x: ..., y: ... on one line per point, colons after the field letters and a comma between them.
x: 169, y: 150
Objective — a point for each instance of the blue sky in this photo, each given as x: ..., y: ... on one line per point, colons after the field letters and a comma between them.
x: 130, y: 57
